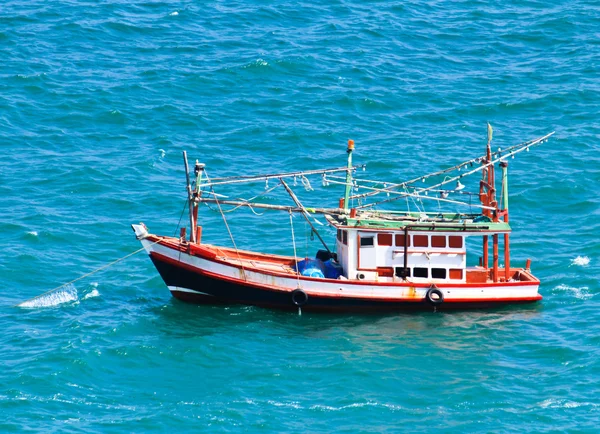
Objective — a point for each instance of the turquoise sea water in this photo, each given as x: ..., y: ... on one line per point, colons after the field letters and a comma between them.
x: 99, y: 99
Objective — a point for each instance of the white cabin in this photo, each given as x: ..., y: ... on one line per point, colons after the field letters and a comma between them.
x: 379, y: 255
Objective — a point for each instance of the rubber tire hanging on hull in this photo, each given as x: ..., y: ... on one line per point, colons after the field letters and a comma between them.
x: 434, y: 301
x: 299, y: 297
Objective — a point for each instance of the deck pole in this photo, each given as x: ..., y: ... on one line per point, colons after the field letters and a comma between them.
x: 405, y: 253
x: 348, y: 176
x: 198, y: 171
x: 485, y: 252
x: 504, y: 166
x: 495, y: 271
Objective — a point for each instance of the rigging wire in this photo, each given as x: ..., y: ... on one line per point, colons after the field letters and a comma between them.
x: 185, y: 205
x: 455, y: 178
x: 246, y: 202
x: 251, y: 178
x: 508, y: 152
x: 228, y: 230
x: 294, y: 244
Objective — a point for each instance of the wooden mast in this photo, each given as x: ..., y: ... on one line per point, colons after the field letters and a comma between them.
x: 348, y: 176
x: 190, y: 197
x: 198, y: 171
x: 485, y: 190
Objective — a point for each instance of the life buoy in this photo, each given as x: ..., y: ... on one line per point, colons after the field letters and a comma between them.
x: 434, y: 296
x: 299, y: 297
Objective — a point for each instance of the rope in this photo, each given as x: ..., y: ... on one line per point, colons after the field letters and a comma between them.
x: 180, y: 217
x: 227, y: 226
x: 306, y: 183
x: 86, y: 275
x: 294, y: 244
x: 246, y: 202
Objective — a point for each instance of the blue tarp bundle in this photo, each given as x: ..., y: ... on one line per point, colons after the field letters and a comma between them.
x: 316, y: 268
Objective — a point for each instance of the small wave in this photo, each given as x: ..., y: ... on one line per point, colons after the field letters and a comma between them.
x: 92, y: 294
x: 26, y: 77
x: 582, y: 261
x: 323, y: 407
x: 285, y: 404
x: 174, y: 14
x: 33, y: 233
x: 581, y: 293
x: 162, y: 153
x: 563, y: 403
x: 65, y: 295
x: 256, y: 63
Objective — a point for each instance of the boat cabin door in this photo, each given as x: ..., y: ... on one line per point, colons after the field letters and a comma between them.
x: 367, y: 256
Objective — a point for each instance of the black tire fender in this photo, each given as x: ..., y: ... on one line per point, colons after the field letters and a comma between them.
x: 434, y: 296
x: 299, y: 297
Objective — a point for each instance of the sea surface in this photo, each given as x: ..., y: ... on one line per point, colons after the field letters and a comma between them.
x: 98, y: 99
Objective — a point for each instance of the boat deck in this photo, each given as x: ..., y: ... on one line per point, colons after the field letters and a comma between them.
x: 286, y: 265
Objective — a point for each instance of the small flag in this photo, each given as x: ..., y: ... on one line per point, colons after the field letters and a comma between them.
x: 490, y: 131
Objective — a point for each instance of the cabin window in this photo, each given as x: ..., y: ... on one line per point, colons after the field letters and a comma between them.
x: 438, y: 241
x: 455, y: 242
x: 421, y: 241
x: 421, y: 272
x: 438, y: 273
x: 456, y: 273
x: 385, y: 271
x: 345, y: 237
x: 339, y: 235
x: 384, y: 239
x: 400, y: 240
x: 400, y: 272
x: 367, y: 241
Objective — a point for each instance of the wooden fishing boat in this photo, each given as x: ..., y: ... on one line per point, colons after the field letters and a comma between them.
x: 382, y: 260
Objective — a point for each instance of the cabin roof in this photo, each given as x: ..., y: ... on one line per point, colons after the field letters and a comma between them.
x: 439, y: 222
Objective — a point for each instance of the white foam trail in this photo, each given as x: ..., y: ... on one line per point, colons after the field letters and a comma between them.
x: 581, y: 293
x: 92, y: 294
x: 581, y: 261
x: 162, y: 153
x: 66, y: 294
x: 174, y: 14
x: 34, y: 233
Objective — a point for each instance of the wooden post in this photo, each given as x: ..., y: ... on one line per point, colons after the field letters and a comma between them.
x: 506, y: 258
x: 495, y: 270
x: 405, y: 252
x: 485, y: 252
x: 504, y: 166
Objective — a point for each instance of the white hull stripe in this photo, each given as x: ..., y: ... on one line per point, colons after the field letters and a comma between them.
x: 191, y: 291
